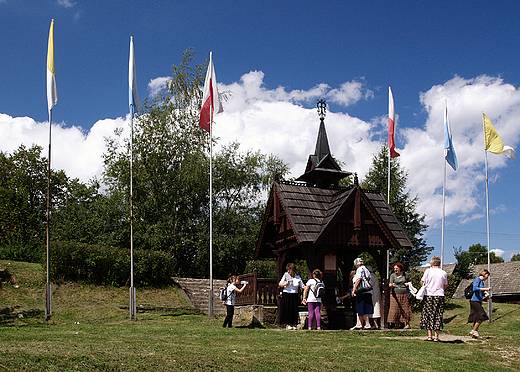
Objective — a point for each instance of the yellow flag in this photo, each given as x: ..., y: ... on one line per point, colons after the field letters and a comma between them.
x: 492, y: 141
x: 52, y: 91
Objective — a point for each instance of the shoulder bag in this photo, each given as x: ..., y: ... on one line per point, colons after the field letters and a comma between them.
x: 364, y: 285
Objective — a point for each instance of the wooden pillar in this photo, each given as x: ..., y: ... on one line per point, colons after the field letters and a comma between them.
x: 280, y: 269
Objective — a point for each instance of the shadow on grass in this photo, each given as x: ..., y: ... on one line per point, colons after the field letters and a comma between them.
x: 252, y: 326
x: 8, y: 314
x: 448, y: 320
x: 452, y: 306
x: 449, y: 342
x: 180, y: 313
x: 501, y: 316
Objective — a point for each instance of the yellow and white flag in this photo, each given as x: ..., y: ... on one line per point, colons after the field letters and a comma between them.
x: 52, y: 91
x: 492, y: 141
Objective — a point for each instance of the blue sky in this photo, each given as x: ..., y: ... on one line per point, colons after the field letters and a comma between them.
x: 277, y: 59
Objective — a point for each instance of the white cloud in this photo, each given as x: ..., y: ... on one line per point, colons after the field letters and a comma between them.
x: 66, y: 3
x: 271, y: 120
x: 78, y: 153
x: 498, y: 252
x: 157, y: 84
x: 424, y: 146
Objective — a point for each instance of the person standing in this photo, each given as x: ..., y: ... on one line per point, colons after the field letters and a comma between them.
x: 309, y: 298
x: 436, y: 281
x: 376, y: 298
x: 232, y: 290
x: 363, y: 300
x: 290, y: 283
x: 477, y: 313
x: 400, y: 307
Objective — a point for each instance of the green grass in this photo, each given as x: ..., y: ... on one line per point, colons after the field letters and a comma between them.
x: 106, y: 340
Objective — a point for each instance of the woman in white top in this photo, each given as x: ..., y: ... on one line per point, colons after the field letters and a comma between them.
x: 364, y: 300
x: 313, y: 302
x: 290, y: 283
x: 436, y: 281
x: 376, y: 298
x: 232, y: 290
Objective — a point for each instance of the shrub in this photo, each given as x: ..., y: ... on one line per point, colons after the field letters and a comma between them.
x: 102, y: 265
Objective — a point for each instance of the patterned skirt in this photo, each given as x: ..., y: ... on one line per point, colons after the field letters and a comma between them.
x: 432, y: 312
x: 400, y: 309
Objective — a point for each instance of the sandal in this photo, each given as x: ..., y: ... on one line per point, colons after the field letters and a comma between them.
x: 436, y: 339
x: 367, y: 328
x: 429, y: 339
x: 356, y: 328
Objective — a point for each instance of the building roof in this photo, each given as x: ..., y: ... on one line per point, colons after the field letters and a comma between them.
x: 314, y: 214
x: 505, y: 279
x: 449, y: 268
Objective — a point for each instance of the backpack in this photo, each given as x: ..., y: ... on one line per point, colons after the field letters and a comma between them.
x: 468, y: 291
x: 223, y: 294
x: 319, y: 289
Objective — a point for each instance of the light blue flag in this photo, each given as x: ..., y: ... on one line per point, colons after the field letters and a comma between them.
x: 449, y: 150
x: 133, y: 98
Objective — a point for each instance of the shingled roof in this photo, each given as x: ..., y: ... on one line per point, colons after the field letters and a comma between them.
x: 505, y: 280
x: 449, y: 268
x: 313, y: 214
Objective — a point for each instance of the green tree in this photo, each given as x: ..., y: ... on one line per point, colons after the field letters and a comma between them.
x: 89, y: 216
x: 516, y: 257
x: 171, y: 182
x: 23, y: 202
x: 403, y: 205
x: 475, y: 255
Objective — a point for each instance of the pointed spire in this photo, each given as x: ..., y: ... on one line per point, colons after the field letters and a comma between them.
x: 322, y: 170
x: 322, y: 144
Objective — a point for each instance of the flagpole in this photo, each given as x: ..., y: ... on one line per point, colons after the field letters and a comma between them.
x: 444, y: 188
x: 133, y: 103
x: 490, y: 302
x: 211, y: 213
x: 443, y: 213
x: 388, y: 200
x: 133, y: 309
x: 48, y: 287
x: 52, y: 99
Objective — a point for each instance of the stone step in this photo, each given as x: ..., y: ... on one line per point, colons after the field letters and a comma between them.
x: 196, y: 292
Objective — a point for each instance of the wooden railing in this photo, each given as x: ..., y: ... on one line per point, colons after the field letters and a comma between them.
x: 259, y: 291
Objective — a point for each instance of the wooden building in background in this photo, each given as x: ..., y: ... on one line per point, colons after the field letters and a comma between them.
x: 328, y: 226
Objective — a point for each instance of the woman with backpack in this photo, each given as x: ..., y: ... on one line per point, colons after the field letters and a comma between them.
x: 313, y: 291
x: 477, y: 314
x: 232, y: 290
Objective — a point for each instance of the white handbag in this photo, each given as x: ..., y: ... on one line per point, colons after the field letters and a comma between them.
x: 420, y: 293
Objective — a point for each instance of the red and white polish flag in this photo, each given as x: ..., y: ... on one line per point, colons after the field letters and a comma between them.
x: 210, y: 99
x: 391, y: 124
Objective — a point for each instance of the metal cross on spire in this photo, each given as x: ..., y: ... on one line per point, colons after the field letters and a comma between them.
x: 322, y: 109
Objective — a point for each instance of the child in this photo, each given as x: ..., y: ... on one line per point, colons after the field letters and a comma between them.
x: 313, y: 303
x: 233, y: 282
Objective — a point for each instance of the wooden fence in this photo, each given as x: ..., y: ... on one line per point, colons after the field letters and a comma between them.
x: 259, y: 291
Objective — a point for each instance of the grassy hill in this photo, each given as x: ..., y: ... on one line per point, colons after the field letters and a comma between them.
x: 90, y: 332
x: 22, y: 298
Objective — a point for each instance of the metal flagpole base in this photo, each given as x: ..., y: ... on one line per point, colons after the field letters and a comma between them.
x: 133, y: 311
x: 48, y: 301
x: 490, y: 310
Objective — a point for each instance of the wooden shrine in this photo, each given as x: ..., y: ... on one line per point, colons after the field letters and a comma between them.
x: 326, y: 225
